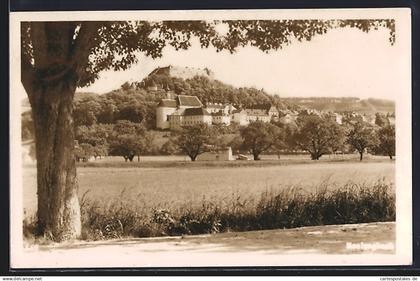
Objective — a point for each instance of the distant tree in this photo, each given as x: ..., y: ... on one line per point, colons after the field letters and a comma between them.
x: 132, y: 111
x: 127, y: 140
x: 126, y: 86
x: 317, y: 135
x: 339, y: 133
x: 97, y: 134
x: 108, y: 111
x: 169, y: 147
x: 289, y: 137
x: 83, y: 152
x: 285, y: 139
x: 361, y: 137
x: 126, y: 146
x: 223, y: 141
x: 194, y: 140
x: 32, y: 151
x: 27, y: 131
x: 349, y: 119
x: 259, y: 137
x: 100, y: 150
x: 381, y: 120
x: 86, y: 109
x: 147, y: 145
x: 237, y: 144
x: 386, y: 141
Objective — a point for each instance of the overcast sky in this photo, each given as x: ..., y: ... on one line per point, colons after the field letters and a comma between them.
x: 341, y: 63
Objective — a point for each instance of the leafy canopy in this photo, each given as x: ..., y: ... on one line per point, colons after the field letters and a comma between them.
x: 318, y: 135
x: 386, y: 141
x: 259, y: 136
x: 195, y: 139
x: 362, y: 136
x: 80, y: 50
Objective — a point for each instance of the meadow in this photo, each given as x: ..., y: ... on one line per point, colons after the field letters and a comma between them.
x: 202, y: 198
x: 189, y: 185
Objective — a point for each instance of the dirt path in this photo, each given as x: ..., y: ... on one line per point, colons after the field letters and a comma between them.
x: 337, y: 244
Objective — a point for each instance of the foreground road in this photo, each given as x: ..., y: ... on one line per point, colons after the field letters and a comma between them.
x: 372, y: 243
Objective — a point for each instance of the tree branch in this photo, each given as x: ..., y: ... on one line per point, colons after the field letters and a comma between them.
x: 83, y: 45
x: 39, y: 44
x: 27, y: 78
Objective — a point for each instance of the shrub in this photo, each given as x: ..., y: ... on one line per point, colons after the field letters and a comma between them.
x: 286, y: 208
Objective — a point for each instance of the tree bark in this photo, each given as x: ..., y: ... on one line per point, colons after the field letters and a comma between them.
x: 58, y: 204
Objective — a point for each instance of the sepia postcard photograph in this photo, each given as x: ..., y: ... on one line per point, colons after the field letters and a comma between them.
x: 210, y: 138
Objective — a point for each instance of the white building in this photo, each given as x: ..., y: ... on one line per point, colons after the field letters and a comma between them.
x: 219, y: 107
x: 182, y: 110
x: 172, y: 110
x: 262, y: 113
x: 164, y: 110
x: 221, y: 118
x: 240, y: 117
x: 193, y: 116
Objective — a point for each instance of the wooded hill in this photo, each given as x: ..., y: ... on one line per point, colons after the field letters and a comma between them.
x: 137, y: 101
x: 364, y: 106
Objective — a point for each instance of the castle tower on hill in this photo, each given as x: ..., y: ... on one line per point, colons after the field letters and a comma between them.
x: 183, y: 72
x: 181, y: 110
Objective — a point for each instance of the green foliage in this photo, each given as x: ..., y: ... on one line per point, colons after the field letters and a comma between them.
x: 318, y: 135
x: 27, y: 132
x: 209, y: 90
x: 386, y: 141
x: 259, y: 136
x: 83, y: 152
x: 195, y: 139
x: 361, y: 137
x: 32, y: 151
x: 381, y: 120
x: 96, y: 137
x: 351, y: 203
x: 97, y: 134
x: 137, y: 106
x: 86, y: 109
x: 169, y: 147
x: 91, y: 46
x: 289, y: 208
x: 128, y: 140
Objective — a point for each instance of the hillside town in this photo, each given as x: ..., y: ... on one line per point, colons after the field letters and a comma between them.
x: 177, y: 111
x: 134, y: 119
x: 183, y: 110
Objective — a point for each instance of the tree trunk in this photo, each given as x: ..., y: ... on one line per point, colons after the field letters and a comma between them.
x: 256, y: 156
x: 361, y: 156
x: 315, y: 156
x: 58, y: 204
x: 390, y: 157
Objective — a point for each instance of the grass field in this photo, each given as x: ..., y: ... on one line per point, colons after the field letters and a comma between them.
x: 189, y: 185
